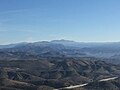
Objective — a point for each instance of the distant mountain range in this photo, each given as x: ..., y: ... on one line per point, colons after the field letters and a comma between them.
x: 61, y: 48
x: 68, y: 43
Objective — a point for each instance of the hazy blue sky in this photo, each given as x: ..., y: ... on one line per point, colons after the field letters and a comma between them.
x: 79, y: 20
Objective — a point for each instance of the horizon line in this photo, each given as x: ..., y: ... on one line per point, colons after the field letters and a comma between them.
x: 60, y: 40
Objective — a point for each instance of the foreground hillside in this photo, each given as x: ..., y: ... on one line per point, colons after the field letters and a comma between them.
x: 46, y: 74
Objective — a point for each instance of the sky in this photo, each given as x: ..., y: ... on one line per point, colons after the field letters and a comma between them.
x: 41, y: 20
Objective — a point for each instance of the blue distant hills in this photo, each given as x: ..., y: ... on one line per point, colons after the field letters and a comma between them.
x: 62, y: 48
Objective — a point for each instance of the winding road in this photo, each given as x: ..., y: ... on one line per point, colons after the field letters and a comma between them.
x: 82, y: 85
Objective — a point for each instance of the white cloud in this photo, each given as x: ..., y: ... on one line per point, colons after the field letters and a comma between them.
x: 2, y: 30
x: 29, y: 39
x: 17, y: 11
